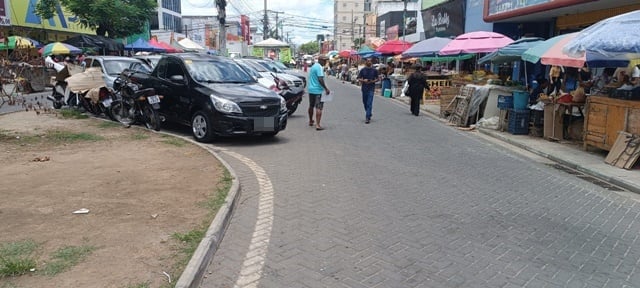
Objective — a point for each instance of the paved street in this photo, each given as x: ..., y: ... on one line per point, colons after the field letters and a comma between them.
x: 409, y: 202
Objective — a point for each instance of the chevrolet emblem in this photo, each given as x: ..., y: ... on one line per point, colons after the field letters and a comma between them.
x: 263, y: 107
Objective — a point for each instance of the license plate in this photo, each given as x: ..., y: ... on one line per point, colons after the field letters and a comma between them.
x: 264, y: 124
x: 107, y: 102
x: 153, y: 99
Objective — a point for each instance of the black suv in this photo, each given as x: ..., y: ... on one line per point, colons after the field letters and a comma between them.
x: 214, y: 96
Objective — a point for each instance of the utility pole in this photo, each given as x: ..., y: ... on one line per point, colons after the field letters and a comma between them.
x: 353, y: 22
x: 265, y: 24
x: 404, y: 20
x: 277, y: 23
x: 222, y: 15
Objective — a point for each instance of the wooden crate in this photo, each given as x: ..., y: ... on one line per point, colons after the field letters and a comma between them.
x: 446, y: 105
x: 605, y: 117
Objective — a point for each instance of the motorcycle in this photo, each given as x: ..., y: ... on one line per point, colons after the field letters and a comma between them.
x: 86, y: 90
x: 134, y: 104
x: 292, y: 99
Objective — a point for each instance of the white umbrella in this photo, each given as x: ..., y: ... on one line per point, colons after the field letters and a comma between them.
x: 271, y: 43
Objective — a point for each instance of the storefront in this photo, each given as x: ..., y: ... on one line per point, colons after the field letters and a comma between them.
x: 444, y: 20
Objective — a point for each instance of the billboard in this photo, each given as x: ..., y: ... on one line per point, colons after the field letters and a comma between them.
x: 504, y: 9
x: 406, y: 25
x: 198, y: 8
x: 444, y: 20
x: 430, y: 3
x: 5, y: 16
x: 24, y: 15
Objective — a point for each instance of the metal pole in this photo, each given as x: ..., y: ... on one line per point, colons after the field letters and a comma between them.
x: 222, y: 15
x: 265, y: 24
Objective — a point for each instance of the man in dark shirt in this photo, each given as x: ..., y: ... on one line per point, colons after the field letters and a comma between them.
x: 535, y: 93
x: 368, y: 77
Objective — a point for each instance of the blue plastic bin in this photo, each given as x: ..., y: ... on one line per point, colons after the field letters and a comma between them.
x: 505, y: 102
x: 520, y: 100
x: 518, y: 122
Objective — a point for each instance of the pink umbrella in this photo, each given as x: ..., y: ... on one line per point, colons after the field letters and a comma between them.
x: 394, y: 47
x: 347, y: 53
x: 476, y: 42
x: 555, y: 56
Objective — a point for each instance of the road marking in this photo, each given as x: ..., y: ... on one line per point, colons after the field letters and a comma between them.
x: 253, y: 264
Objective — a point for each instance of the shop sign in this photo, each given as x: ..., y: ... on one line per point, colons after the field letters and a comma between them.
x: 5, y: 19
x: 504, y: 9
x: 444, y: 20
x: 430, y: 3
x: 63, y: 20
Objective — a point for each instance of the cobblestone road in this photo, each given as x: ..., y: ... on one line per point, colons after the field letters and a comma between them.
x: 408, y: 202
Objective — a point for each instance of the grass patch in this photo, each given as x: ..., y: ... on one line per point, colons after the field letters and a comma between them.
x: 140, y: 136
x: 17, y: 258
x: 109, y: 124
x: 66, y: 257
x: 65, y: 136
x: 189, y: 241
x: 72, y: 114
x: 174, y: 141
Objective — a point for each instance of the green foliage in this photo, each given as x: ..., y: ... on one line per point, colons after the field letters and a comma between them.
x: 65, y: 136
x: 16, y: 258
x: 72, y: 113
x: 310, y: 48
x: 67, y: 257
x: 112, y: 18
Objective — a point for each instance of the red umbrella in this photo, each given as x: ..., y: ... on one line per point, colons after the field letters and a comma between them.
x: 347, y: 53
x: 165, y: 46
x: 394, y: 47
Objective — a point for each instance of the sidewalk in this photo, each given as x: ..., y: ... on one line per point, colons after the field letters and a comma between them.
x: 566, y: 153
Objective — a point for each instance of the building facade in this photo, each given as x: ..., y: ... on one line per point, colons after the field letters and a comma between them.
x: 169, y: 17
x: 348, y: 24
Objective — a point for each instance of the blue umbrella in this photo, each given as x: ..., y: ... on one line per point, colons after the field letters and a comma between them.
x: 611, y: 37
x: 142, y: 45
x: 427, y: 47
x: 511, y: 52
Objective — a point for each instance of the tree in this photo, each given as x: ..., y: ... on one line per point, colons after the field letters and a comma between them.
x: 311, y: 48
x: 112, y: 18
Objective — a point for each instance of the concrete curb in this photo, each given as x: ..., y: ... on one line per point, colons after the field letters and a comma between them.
x: 616, y: 181
x: 192, y: 275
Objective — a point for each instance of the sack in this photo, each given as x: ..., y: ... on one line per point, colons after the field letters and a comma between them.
x: 326, y: 97
x: 405, y: 89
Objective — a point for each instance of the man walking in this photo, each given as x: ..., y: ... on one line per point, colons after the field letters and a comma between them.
x: 315, y: 88
x: 368, y: 77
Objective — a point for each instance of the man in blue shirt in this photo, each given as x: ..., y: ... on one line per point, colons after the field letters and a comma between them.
x: 315, y: 88
x: 368, y: 77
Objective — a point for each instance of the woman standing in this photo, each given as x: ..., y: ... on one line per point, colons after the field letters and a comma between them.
x: 554, y: 77
x: 417, y: 83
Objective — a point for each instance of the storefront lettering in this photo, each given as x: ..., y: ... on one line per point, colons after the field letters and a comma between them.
x: 502, y: 6
x: 440, y: 22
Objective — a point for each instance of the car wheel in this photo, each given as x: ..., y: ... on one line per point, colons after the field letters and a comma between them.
x: 201, y: 127
x: 293, y: 107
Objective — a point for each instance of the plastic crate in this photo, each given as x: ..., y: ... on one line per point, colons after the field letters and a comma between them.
x: 518, y: 122
x: 505, y: 102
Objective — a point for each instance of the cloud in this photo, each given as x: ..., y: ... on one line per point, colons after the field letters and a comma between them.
x: 304, y: 17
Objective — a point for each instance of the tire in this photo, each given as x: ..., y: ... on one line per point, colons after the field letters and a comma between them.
x: 123, y: 112
x: 293, y: 108
x: 109, y: 113
x: 57, y: 105
x: 201, y: 127
x: 150, y: 117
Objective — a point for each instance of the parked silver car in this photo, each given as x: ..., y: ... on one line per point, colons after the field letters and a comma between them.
x: 111, y: 66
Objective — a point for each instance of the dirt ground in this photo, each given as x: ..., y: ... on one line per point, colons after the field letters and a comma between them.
x: 139, y: 187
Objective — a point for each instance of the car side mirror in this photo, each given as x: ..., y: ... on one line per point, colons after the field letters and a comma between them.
x: 178, y: 79
x: 274, y: 69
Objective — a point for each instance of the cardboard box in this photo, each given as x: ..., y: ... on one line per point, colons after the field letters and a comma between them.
x: 553, y: 125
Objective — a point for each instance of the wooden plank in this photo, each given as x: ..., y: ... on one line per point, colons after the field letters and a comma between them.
x: 616, y: 116
x: 625, y: 151
x: 633, y: 121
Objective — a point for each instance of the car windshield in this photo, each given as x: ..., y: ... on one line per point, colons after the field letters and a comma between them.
x: 279, y: 65
x: 256, y: 66
x: 154, y: 61
x: 115, y: 67
x: 271, y: 67
x: 249, y: 70
x: 213, y: 71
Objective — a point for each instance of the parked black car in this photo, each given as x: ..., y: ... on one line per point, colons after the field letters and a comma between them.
x: 214, y: 96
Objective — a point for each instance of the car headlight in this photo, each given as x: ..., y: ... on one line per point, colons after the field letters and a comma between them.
x: 225, y: 106
x: 290, y: 83
x: 283, y: 104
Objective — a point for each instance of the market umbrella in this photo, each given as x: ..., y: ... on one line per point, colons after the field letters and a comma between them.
x: 615, y: 36
x: 476, y: 42
x: 14, y: 42
x: 437, y: 58
x: 165, y: 46
x: 271, y: 43
x: 366, y: 52
x: 393, y: 47
x: 549, y: 52
x: 332, y: 53
x: 142, y: 45
x: 426, y: 47
x: 511, y: 52
x: 189, y: 45
x: 59, y: 48
x: 347, y: 53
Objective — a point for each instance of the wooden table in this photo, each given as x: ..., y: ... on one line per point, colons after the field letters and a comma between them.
x: 605, y: 117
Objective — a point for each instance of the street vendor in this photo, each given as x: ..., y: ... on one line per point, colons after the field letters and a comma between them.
x: 540, y: 89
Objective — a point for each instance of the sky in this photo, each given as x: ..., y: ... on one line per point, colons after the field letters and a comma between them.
x: 303, y: 18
